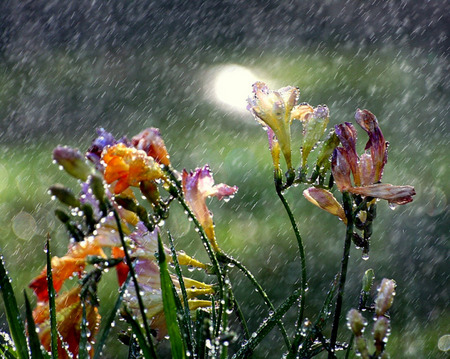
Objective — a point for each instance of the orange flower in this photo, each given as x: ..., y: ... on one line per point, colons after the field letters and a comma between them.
x: 151, y: 142
x: 69, y: 314
x: 129, y: 167
x: 63, y: 268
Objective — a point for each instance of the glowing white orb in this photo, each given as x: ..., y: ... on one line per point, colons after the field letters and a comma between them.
x: 233, y: 85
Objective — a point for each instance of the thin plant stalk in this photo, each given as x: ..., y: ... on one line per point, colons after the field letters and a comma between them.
x: 302, y: 257
x: 343, y: 274
x: 136, y: 284
x: 261, y: 291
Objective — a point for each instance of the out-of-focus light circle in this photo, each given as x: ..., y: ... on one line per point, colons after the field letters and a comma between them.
x: 444, y: 343
x: 233, y: 85
x: 24, y: 225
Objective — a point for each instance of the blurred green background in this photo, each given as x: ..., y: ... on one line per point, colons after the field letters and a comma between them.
x: 187, y: 70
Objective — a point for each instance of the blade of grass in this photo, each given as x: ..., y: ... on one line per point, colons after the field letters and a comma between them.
x: 135, y: 282
x: 170, y: 307
x: 15, y: 322
x: 33, y: 338
x: 266, y: 326
x: 111, y: 318
x: 135, y: 327
x: 83, y: 351
x: 51, y: 303
x: 187, y: 320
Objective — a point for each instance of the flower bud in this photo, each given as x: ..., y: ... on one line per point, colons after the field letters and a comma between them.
x: 380, y: 333
x: 64, y: 195
x: 330, y: 143
x: 356, y: 322
x: 314, y: 125
x: 385, y: 296
x: 367, y: 281
x: 361, y: 347
x: 72, y: 161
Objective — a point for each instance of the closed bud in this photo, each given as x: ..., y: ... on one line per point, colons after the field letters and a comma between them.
x: 385, y: 297
x: 64, y: 195
x: 361, y: 347
x: 150, y: 190
x: 380, y: 333
x: 330, y: 143
x: 97, y: 187
x: 356, y: 322
x: 72, y: 161
x: 367, y: 281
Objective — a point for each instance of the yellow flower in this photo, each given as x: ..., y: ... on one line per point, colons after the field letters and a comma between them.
x: 129, y: 166
x: 148, y: 275
x: 273, y: 109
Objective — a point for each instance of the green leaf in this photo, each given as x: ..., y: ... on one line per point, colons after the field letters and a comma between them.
x: 33, y: 338
x: 183, y: 311
x: 170, y: 307
x: 7, y: 349
x: 51, y: 303
x: 15, y: 322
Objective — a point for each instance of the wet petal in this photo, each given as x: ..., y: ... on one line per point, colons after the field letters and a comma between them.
x: 72, y: 161
x: 314, y: 125
x: 151, y: 142
x: 340, y: 169
x: 376, y: 143
x: 325, y: 200
x: 393, y: 194
x: 347, y: 135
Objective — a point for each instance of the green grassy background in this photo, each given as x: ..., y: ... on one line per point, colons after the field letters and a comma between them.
x: 62, y: 97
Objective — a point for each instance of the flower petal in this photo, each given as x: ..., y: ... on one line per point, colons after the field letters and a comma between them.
x: 347, y: 135
x: 325, y: 200
x: 340, y: 169
x: 151, y: 142
x: 393, y: 194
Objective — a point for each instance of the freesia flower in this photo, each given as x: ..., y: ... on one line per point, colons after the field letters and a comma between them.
x: 273, y: 109
x: 151, y: 142
x: 69, y: 314
x: 199, y: 185
x: 148, y: 275
x: 325, y: 200
x: 63, y: 268
x: 367, y: 169
x: 129, y: 166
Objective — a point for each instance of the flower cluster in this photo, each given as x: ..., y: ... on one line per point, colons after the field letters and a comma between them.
x: 106, y: 208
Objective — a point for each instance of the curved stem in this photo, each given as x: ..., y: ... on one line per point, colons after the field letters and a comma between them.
x: 260, y: 290
x: 343, y: 275
x: 303, y: 265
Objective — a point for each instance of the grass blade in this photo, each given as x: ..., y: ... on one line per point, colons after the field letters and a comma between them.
x: 170, y: 307
x: 111, y: 318
x: 83, y: 351
x: 186, y: 314
x: 135, y: 327
x: 51, y: 303
x: 15, y: 322
x: 33, y: 338
x: 267, y: 325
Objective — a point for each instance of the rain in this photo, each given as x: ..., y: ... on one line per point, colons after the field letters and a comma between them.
x: 187, y: 68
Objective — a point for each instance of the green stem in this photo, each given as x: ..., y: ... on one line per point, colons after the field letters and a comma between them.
x: 136, y: 284
x: 261, y: 291
x: 343, y: 274
x: 303, y: 265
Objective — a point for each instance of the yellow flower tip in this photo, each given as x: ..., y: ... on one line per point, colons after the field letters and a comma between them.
x: 129, y: 167
x: 273, y: 109
x: 325, y: 200
x: 301, y: 112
